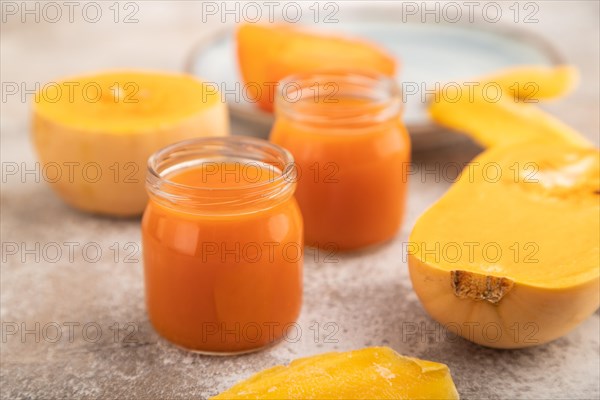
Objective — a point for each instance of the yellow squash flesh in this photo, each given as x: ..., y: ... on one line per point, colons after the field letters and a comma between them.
x: 371, y: 373
x: 530, y: 83
x: 99, y: 130
x: 509, y: 256
x: 493, y: 112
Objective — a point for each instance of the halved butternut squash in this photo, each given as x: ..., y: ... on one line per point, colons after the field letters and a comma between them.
x: 99, y: 130
x: 508, y: 257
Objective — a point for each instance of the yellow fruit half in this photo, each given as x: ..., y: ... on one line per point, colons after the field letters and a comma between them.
x: 509, y: 256
x: 99, y: 130
x: 371, y: 373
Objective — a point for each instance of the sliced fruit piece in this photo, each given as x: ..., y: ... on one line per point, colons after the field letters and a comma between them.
x: 99, y: 130
x: 499, y: 122
x: 370, y: 373
x: 268, y: 53
x: 508, y: 257
x: 530, y: 83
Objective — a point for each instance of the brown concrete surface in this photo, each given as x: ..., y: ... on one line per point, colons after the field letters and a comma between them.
x: 362, y: 299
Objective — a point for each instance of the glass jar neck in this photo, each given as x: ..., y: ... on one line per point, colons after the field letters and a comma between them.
x: 237, y: 155
x: 347, y: 99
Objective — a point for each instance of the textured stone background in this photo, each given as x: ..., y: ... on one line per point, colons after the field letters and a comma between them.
x: 366, y: 295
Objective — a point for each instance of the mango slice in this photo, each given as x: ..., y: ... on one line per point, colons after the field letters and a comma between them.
x: 371, y: 373
x: 508, y: 257
x: 494, y: 113
x: 268, y: 53
x: 98, y: 131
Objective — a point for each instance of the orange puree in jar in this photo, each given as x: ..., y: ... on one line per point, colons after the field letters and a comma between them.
x: 352, y: 154
x: 223, y: 238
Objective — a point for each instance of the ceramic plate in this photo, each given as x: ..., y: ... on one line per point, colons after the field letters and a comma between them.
x: 427, y: 53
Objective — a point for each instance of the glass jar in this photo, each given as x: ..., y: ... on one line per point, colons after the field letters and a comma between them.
x: 352, y: 154
x: 222, y: 236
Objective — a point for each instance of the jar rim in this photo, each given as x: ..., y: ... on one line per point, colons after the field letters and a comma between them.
x: 194, y: 152
x: 385, y: 102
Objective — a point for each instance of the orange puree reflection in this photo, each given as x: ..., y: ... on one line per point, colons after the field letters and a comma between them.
x: 229, y: 278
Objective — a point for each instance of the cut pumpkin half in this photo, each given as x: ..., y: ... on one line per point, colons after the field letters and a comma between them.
x: 509, y: 256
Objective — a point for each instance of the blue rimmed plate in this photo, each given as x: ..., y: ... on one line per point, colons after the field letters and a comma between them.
x: 427, y: 54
